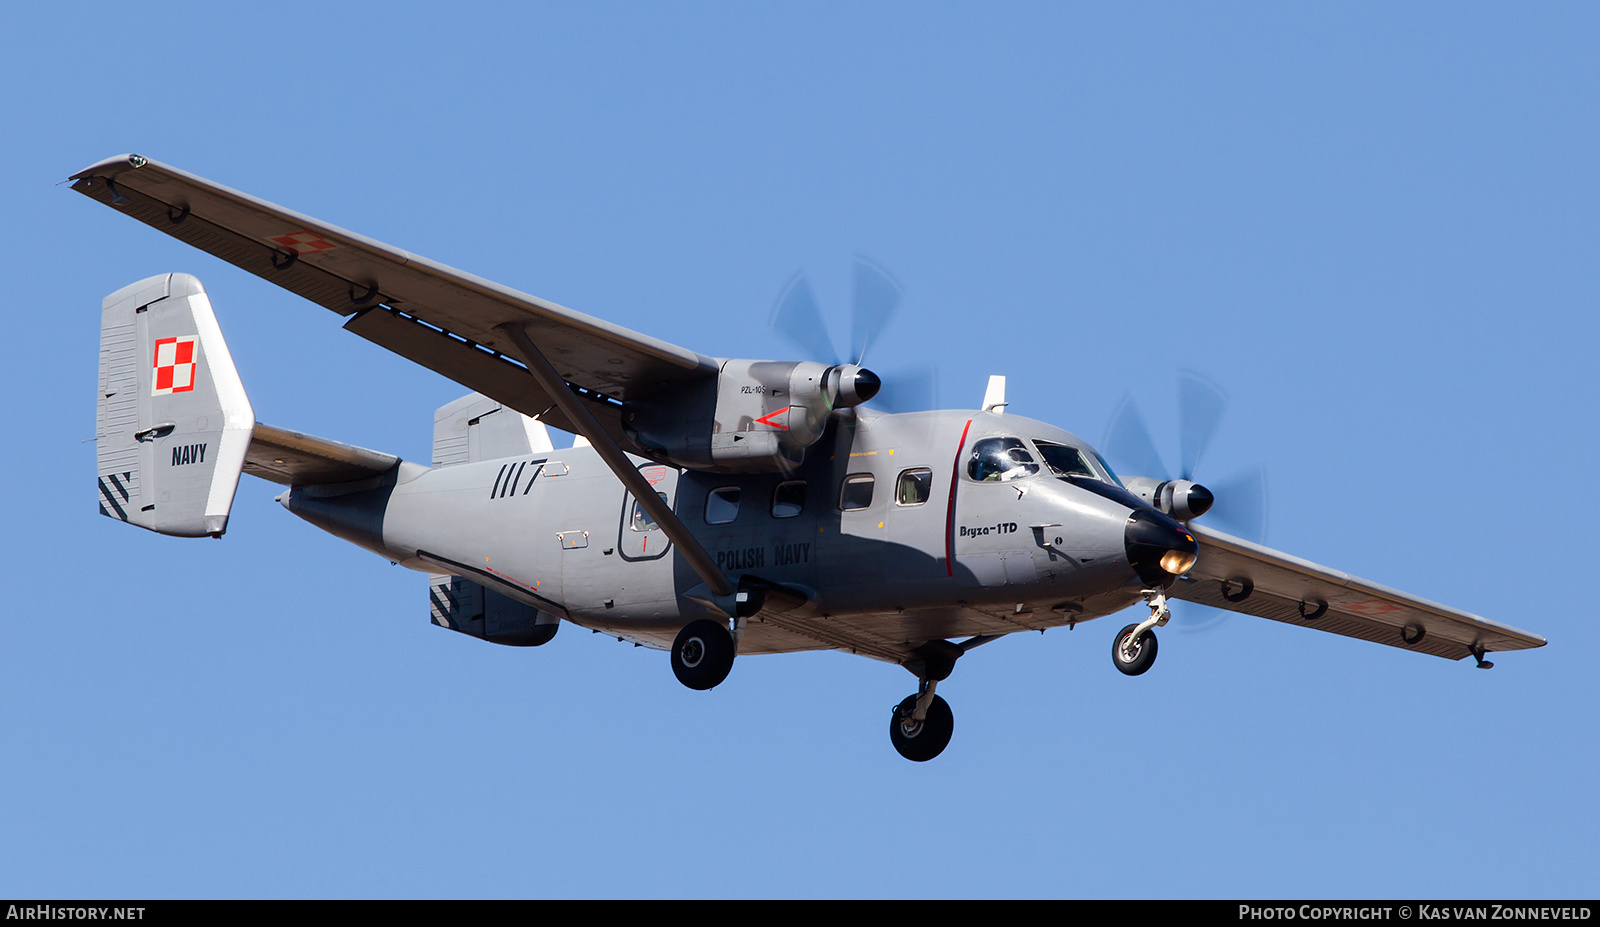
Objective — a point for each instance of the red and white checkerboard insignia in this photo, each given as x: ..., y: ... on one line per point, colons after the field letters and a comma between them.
x: 304, y: 242
x: 174, y: 366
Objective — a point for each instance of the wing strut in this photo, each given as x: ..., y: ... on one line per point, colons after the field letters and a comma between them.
x: 697, y: 556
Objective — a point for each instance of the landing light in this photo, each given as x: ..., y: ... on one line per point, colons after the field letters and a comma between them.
x: 1177, y: 562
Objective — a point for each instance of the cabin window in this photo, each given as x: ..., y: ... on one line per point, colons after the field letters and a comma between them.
x: 856, y: 493
x: 1000, y: 460
x: 789, y: 499
x: 641, y: 520
x: 722, y: 506
x: 914, y: 487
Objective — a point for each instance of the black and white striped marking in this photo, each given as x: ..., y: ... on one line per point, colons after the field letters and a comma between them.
x: 114, y: 492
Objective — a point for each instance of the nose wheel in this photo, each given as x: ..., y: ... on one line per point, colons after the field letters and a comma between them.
x: 702, y: 656
x: 921, y: 726
x: 1133, y: 653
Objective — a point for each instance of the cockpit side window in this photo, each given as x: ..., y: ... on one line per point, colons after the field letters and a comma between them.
x: 1000, y: 460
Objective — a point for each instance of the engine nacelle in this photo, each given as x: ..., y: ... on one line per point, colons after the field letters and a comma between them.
x: 754, y: 417
x: 1182, y: 499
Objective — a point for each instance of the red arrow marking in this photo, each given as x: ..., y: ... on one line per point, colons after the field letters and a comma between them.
x: 764, y: 419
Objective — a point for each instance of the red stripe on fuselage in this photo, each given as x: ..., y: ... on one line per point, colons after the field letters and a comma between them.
x: 950, y: 513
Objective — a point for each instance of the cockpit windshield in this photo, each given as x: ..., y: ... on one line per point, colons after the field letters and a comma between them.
x: 1106, y: 468
x: 1072, y: 462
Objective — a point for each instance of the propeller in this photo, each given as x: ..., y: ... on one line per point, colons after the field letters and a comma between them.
x: 1240, y: 506
x: 876, y: 294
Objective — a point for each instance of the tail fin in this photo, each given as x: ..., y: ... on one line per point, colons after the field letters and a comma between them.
x: 475, y: 428
x: 172, y: 420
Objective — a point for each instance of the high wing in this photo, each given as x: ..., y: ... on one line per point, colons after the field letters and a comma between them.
x: 437, y: 316
x: 1239, y: 576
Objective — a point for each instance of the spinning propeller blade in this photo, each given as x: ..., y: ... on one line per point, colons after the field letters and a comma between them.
x: 1200, y: 406
x: 1129, y: 445
x: 876, y: 295
x: 912, y: 388
x: 1241, y: 507
x: 796, y: 317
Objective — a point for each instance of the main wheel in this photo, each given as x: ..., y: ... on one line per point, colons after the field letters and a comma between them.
x: 924, y: 740
x: 703, y: 654
x: 1133, y: 657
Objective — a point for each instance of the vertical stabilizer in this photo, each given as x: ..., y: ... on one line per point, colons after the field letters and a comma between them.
x: 172, y: 421
x: 475, y: 428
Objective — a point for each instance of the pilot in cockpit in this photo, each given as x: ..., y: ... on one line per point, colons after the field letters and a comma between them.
x: 1000, y: 460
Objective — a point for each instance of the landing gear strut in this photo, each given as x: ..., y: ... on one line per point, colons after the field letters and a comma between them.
x: 1134, y: 650
x: 702, y: 656
x: 921, y: 726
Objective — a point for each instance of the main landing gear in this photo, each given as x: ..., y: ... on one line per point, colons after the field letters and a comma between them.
x: 1134, y: 650
x: 921, y: 726
x: 702, y: 656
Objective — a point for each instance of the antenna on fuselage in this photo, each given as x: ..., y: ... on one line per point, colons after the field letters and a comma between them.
x: 994, y: 398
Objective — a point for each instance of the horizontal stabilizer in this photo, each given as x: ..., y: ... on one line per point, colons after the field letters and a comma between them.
x: 296, y: 459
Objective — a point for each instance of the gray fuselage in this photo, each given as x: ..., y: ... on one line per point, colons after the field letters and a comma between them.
x: 868, y: 527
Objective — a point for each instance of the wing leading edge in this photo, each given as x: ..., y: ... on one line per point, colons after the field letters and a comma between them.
x: 1239, y: 576
x: 437, y: 316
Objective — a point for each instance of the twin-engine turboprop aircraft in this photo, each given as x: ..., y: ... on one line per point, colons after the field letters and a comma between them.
x: 713, y: 507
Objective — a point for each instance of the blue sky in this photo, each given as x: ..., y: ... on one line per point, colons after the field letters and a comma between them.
x: 1374, y: 225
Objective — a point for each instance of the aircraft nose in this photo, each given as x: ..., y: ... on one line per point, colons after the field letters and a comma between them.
x: 1159, y: 549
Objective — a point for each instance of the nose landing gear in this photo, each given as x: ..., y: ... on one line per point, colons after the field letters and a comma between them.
x: 1134, y: 650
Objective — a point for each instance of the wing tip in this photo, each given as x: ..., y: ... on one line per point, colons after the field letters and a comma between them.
x: 111, y: 167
